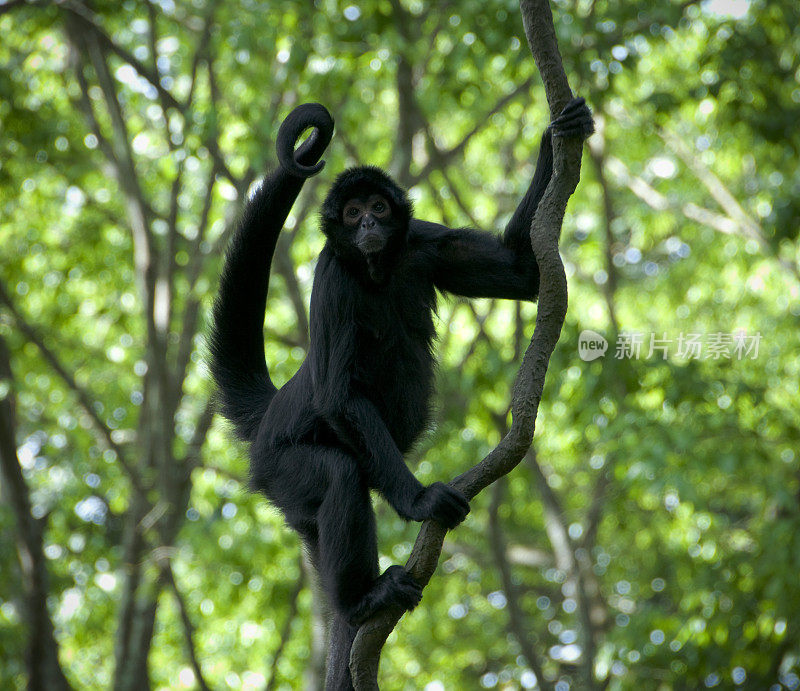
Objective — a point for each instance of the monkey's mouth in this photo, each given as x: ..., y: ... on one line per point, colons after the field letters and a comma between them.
x: 371, y: 244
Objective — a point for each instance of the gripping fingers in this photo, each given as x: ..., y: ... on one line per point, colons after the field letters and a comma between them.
x: 408, y: 592
x: 441, y: 503
x: 572, y: 131
x: 574, y: 120
x: 574, y: 105
x: 451, y: 506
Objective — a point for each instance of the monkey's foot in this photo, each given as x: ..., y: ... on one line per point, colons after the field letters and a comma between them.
x: 395, y: 587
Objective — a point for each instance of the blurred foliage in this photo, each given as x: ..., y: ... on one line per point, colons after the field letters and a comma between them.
x: 675, y: 480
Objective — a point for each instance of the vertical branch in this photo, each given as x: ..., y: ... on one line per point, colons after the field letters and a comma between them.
x: 597, y: 152
x: 516, y: 616
x: 567, y: 562
x: 286, y: 631
x: 188, y: 627
x: 138, y: 603
x: 545, y: 233
x: 44, y: 669
x: 85, y: 401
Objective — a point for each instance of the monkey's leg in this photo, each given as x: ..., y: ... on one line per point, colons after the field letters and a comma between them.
x: 348, y: 551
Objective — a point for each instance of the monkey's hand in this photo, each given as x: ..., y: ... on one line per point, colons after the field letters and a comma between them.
x: 574, y: 121
x: 442, y: 503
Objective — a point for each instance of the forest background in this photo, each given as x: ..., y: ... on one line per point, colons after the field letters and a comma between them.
x: 651, y: 539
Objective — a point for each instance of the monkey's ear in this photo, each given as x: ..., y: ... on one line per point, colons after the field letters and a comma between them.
x: 304, y: 162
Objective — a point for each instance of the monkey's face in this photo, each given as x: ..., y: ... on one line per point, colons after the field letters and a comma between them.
x: 373, y: 230
x: 369, y: 219
x: 365, y: 217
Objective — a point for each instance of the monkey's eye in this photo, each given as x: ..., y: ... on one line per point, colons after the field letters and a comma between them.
x: 379, y: 207
x: 352, y: 211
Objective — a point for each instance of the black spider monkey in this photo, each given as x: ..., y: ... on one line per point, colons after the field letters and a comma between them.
x: 340, y: 426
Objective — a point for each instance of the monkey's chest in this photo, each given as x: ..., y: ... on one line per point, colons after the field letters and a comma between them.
x: 395, y: 368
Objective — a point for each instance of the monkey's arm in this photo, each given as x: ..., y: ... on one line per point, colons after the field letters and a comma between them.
x: 475, y: 264
x: 478, y: 264
x: 574, y: 120
x: 354, y: 419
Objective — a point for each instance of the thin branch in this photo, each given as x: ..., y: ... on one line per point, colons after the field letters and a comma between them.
x: 44, y: 669
x: 741, y: 224
x: 497, y: 543
x: 202, y: 50
x: 90, y: 24
x: 121, y: 169
x: 718, y: 191
x: 597, y: 151
x: 286, y: 631
x: 224, y: 472
x: 191, y: 310
x: 445, y: 10
x: 441, y: 158
x: 188, y: 627
x: 120, y: 156
x: 167, y: 264
x: 723, y: 196
x: 288, y: 340
x: 284, y: 267
x: 193, y: 452
x: 658, y: 202
x: 409, y: 115
x: 89, y: 21
x: 458, y: 198
x: 230, y: 222
x: 212, y: 141
x: 84, y: 399
x: 567, y: 562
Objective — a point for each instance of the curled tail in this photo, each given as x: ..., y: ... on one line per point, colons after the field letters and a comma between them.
x: 236, y: 340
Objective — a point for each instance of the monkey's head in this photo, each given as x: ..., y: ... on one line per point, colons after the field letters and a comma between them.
x: 365, y: 217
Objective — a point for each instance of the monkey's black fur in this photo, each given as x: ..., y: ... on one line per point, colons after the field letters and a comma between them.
x: 340, y: 426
